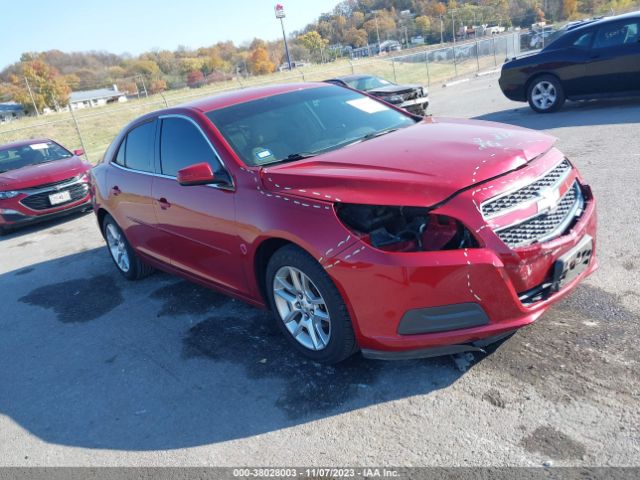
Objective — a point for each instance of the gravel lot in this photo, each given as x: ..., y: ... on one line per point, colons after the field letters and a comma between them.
x: 95, y: 370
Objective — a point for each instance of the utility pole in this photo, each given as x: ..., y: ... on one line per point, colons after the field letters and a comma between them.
x: 31, y: 95
x: 279, y: 9
x: 441, y: 31
x: 375, y: 16
x: 144, y: 87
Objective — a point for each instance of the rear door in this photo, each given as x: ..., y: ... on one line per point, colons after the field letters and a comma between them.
x: 129, y: 182
x: 614, y: 60
x: 198, y: 222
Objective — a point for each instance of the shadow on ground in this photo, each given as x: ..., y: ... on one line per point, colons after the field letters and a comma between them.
x: 54, y: 223
x: 573, y: 114
x: 91, y: 360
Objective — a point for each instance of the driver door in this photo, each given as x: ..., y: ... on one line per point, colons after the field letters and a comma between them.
x: 197, y: 222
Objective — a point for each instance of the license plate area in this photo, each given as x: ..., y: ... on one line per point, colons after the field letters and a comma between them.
x: 59, y: 197
x: 572, y: 264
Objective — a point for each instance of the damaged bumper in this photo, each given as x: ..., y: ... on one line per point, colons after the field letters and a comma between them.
x: 421, y: 304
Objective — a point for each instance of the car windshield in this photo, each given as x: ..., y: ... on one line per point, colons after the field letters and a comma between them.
x: 368, y: 83
x: 12, y: 158
x: 303, y: 123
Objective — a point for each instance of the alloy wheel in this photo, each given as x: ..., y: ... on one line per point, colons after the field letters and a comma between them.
x: 117, y: 247
x: 302, y: 308
x: 544, y: 95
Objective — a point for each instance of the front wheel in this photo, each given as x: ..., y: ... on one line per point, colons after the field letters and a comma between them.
x: 308, y: 308
x: 545, y: 94
x: 127, y: 261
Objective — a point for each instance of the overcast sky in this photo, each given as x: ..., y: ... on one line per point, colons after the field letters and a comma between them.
x: 134, y: 26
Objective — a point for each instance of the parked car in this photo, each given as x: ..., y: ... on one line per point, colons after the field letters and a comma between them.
x: 360, y: 226
x: 39, y: 180
x: 595, y: 59
x: 413, y: 98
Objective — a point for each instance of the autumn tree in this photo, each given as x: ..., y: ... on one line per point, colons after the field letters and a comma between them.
x: 313, y: 42
x: 356, y: 37
x: 259, y: 63
x: 569, y: 8
x: 48, y: 88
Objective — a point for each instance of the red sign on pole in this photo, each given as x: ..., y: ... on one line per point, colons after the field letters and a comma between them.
x: 279, y: 9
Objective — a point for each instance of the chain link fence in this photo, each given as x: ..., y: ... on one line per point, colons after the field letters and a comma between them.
x: 93, y: 129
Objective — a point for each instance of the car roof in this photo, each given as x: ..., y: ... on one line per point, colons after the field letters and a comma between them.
x: 349, y: 78
x: 246, y: 95
x: 24, y: 143
x: 602, y: 21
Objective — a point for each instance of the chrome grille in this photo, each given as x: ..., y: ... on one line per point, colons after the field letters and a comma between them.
x: 545, y: 225
x: 40, y: 201
x: 503, y: 203
x: 52, y: 184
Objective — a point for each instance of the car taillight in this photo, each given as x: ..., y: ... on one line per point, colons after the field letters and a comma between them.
x: 405, y: 229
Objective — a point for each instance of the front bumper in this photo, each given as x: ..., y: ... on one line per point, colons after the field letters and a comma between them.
x: 16, y: 215
x: 417, y: 105
x: 493, y: 277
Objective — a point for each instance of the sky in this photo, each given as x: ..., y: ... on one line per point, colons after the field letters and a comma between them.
x: 135, y: 26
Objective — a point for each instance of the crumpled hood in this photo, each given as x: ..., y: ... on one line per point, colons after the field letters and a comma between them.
x: 391, y: 89
x: 50, y: 172
x: 421, y: 165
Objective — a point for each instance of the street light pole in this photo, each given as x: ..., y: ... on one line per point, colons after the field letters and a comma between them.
x: 279, y: 9
x: 375, y: 16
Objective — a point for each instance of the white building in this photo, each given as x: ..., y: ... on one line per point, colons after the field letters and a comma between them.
x: 96, y: 98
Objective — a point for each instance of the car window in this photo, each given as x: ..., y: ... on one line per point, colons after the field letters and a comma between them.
x: 183, y: 144
x: 139, y: 147
x: 12, y: 158
x: 617, y: 34
x: 584, y: 40
x: 120, y: 156
x: 303, y: 122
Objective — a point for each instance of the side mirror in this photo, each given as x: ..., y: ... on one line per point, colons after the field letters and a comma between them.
x: 197, y: 174
x: 78, y: 153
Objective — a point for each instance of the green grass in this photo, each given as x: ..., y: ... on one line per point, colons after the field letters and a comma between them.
x: 99, y: 126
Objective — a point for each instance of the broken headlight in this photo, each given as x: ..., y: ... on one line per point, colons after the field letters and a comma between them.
x: 405, y: 229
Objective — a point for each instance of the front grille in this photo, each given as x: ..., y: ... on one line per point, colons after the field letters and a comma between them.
x: 52, y: 184
x: 504, y: 203
x: 546, y: 225
x: 40, y: 201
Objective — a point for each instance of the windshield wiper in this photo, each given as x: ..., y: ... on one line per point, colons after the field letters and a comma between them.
x: 369, y: 136
x: 293, y: 157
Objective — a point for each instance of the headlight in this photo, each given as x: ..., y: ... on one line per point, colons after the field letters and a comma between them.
x: 9, y: 194
x: 405, y: 229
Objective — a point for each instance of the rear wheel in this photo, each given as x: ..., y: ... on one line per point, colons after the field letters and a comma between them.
x: 127, y: 261
x: 545, y: 94
x: 308, y: 308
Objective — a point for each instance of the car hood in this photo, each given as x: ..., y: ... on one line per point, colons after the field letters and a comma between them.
x: 44, y: 173
x: 391, y: 89
x: 421, y: 165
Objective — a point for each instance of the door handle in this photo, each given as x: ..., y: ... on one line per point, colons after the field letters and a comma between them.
x: 164, y: 204
x: 593, y: 57
x: 115, y: 191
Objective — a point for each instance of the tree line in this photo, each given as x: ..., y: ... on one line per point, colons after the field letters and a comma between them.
x: 46, y: 79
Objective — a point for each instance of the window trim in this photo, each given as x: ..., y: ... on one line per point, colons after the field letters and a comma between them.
x: 231, y: 186
x: 112, y: 160
x: 618, y: 24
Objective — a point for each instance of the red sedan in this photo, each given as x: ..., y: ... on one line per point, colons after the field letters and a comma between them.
x: 360, y: 226
x: 39, y: 180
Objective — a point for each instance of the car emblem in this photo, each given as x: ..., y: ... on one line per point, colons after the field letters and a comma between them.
x: 548, y: 199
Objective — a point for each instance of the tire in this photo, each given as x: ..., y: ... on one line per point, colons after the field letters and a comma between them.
x: 337, y: 340
x: 133, y: 268
x: 545, y: 94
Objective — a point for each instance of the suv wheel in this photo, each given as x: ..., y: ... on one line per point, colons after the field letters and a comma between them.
x: 127, y: 261
x: 545, y: 94
x: 308, y: 307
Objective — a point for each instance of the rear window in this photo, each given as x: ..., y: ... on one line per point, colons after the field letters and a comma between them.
x: 13, y: 158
